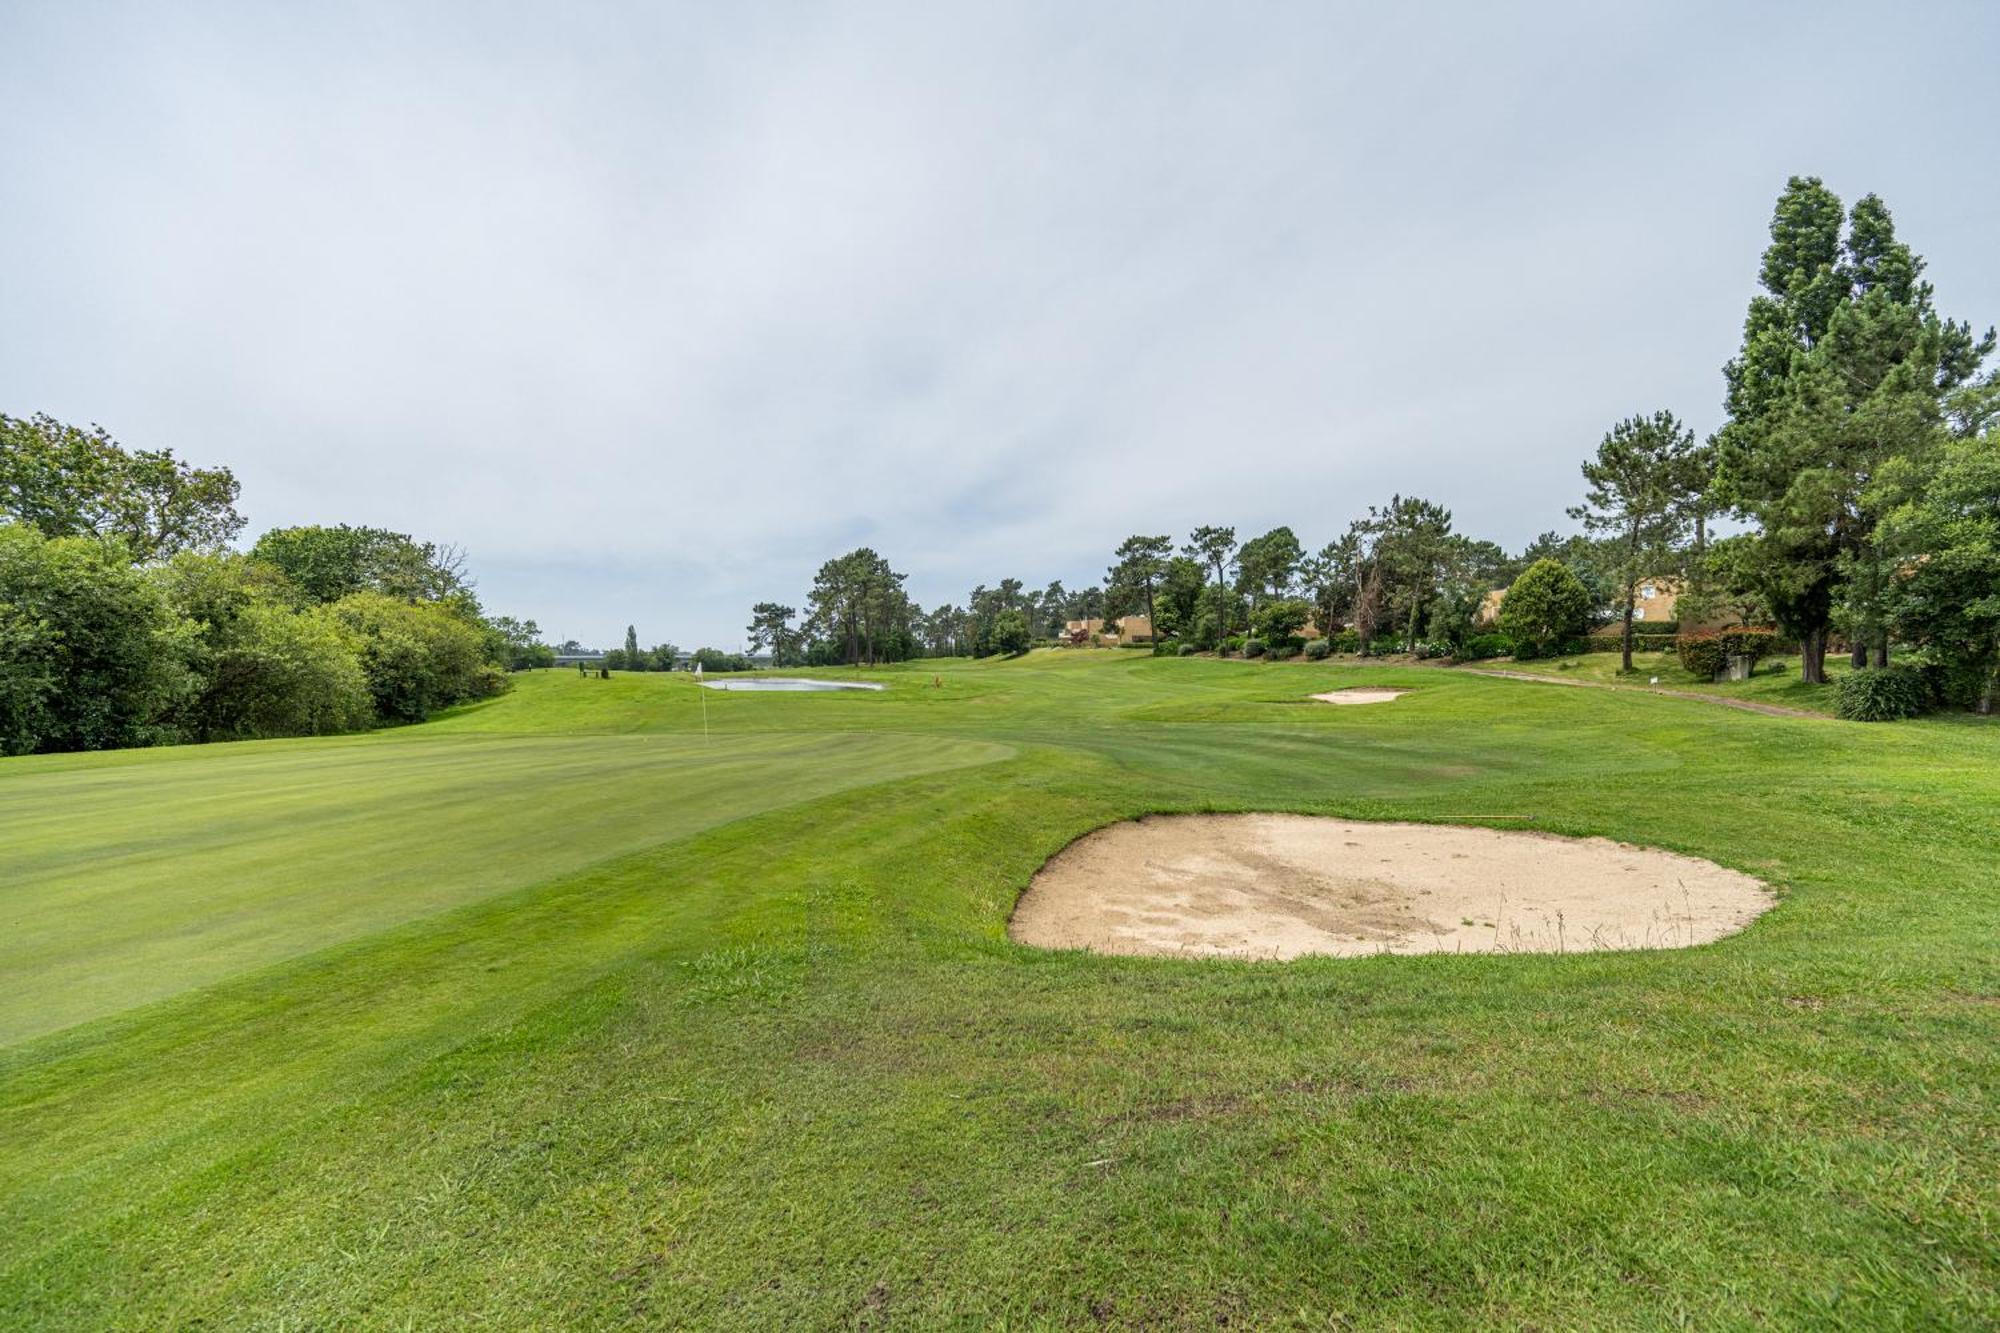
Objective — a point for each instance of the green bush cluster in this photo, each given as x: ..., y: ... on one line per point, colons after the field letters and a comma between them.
x: 1253, y: 647
x: 1188, y: 650
x: 1882, y: 694
x: 1480, y: 647
x: 99, y: 652
x: 1546, y: 610
x: 1318, y: 650
x: 1706, y: 652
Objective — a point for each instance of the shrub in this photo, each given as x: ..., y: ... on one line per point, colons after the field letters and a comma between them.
x: 91, y: 654
x: 1701, y: 654
x: 281, y: 673
x: 418, y: 657
x: 1204, y: 636
x: 1754, y: 644
x: 1482, y: 646
x: 1424, y: 651
x: 1707, y: 652
x: 1546, y: 606
x: 1282, y: 619
x: 1253, y: 647
x: 1882, y: 694
x: 1318, y: 650
x: 1188, y: 650
x: 1233, y: 644
x: 1347, y: 641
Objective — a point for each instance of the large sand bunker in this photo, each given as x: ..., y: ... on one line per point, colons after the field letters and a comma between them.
x: 1277, y: 886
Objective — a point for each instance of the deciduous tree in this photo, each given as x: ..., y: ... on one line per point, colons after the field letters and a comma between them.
x: 66, y: 481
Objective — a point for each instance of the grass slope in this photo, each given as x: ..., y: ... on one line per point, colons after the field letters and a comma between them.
x: 1775, y: 682
x: 743, y: 1043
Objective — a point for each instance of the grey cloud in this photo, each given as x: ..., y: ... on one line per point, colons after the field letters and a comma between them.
x: 653, y: 307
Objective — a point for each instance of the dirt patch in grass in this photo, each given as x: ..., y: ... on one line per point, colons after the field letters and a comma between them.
x: 1359, y: 694
x: 1278, y: 886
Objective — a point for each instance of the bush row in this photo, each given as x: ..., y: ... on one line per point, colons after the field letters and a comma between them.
x: 98, y: 653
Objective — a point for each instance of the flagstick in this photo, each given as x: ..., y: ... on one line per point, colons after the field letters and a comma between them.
x: 702, y: 690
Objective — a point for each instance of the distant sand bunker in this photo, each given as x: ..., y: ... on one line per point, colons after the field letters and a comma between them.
x: 1359, y: 695
x: 1278, y: 886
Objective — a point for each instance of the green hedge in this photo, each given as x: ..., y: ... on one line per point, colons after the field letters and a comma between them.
x: 1881, y: 694
x: 1707, y: 652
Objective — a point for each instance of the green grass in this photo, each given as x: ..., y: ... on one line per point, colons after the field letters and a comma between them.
x: 1776, y: 680
x: 552, y: 1014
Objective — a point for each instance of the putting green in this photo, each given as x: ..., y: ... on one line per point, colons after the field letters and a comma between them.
x: 134, y: 877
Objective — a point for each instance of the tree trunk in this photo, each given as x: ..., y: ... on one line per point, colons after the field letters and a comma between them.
x: 1812, y: 656
x: 1632, y: 577
x: 1882, y: 648
x: 1857, y: 656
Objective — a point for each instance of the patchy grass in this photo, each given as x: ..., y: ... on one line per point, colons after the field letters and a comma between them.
x: 551, y: 1013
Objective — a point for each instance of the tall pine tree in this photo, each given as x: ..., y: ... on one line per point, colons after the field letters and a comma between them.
x: 1844, y: 365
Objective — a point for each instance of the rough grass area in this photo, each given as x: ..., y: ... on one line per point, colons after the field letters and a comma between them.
x: 1776, y: 681
x: 551, y: 1014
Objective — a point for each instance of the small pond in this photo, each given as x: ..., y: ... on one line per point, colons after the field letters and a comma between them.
x: 787, y: 683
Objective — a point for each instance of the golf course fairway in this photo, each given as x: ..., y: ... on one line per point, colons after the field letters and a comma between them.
x: 570, y: 1009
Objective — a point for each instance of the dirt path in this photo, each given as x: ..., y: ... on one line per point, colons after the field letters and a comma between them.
x: 1723, y: 700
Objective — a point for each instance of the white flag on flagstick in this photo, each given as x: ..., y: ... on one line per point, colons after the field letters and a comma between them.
x: 697, y: 671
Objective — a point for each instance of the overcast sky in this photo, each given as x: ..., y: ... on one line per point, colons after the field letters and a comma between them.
x: 653, y: 307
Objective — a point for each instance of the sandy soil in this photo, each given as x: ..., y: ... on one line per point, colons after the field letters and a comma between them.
x: 1277, y: 886
x: 1359, y: 695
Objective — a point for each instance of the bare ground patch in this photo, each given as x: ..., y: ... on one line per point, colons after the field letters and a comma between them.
x: 1278, y: 886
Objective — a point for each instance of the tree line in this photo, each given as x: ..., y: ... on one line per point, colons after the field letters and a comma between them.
x: 126, y: 619
x: 1397, y: 574
x: 1860, y: 463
